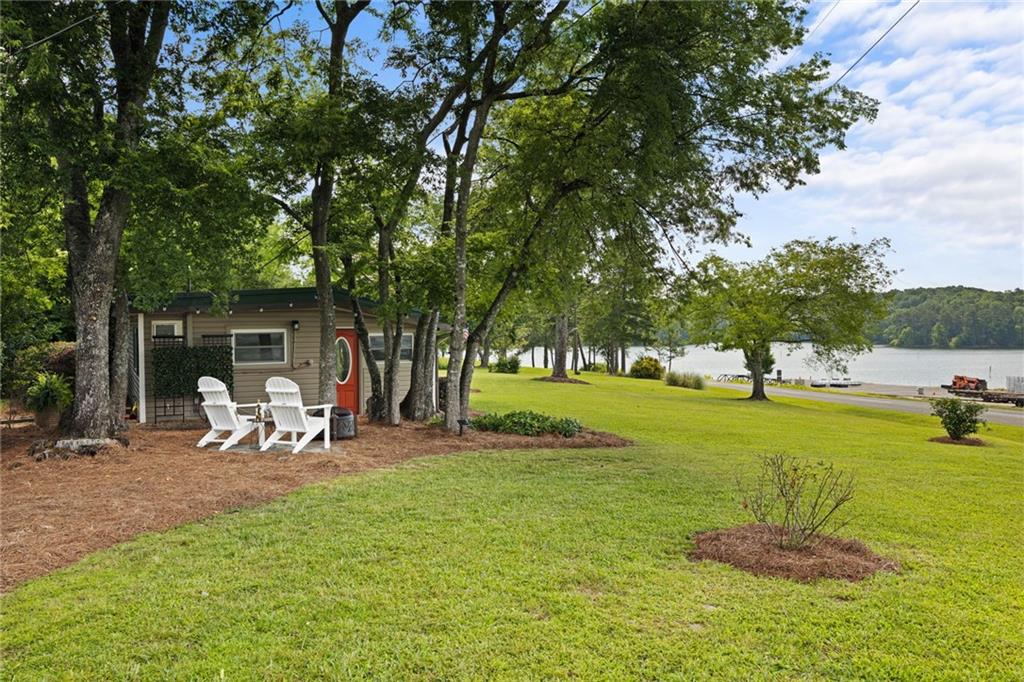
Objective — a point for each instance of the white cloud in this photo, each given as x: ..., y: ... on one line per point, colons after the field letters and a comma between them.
x: 944, y: 161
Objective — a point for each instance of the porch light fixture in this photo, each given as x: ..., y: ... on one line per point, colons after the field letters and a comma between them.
x: 295, y: 325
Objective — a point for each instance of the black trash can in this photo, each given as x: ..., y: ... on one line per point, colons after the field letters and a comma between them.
x: 343, y: 423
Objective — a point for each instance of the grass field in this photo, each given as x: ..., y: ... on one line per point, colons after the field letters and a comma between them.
x: 570, y: 563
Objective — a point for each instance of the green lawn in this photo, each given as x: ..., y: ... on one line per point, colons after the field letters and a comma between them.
x: 567, y: 563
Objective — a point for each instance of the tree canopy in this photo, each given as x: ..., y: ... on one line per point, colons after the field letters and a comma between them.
x: 826, y: 292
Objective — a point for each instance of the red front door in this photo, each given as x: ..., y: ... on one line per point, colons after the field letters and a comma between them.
x: 346, y: 357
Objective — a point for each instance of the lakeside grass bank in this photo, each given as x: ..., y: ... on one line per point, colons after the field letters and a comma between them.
x: 563, y: 563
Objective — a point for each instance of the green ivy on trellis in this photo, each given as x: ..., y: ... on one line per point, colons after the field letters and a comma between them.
x: 176, y: 369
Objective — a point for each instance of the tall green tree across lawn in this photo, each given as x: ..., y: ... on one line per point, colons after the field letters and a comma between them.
x: 826, y: 293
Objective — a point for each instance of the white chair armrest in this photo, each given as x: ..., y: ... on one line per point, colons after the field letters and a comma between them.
x: 326, y: 408
x: 246, y: 404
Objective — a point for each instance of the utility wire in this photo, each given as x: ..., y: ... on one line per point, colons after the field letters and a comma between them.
x: 845, y: 73
x: 810, y: 33
x: 823, y: 19
x: 54, y: 35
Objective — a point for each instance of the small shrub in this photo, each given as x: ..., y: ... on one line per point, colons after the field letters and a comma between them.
x: 527, y: 423
x: 797, y: 500
x: 685, y: 380
x: 50, y: 391
x: 599, y: 367
x: 646, y: 367
x: 57, y: 358
x: 506, y: 365
x: 960, y: 418
x: 436, y: 420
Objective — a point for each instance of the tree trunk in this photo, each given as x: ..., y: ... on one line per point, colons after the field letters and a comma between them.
x: 120, y: 355
x: 485, y: 353
x: 754, y: 358
x: 327, y: 372
x: 545, y: 356
x: 392, y: 354
x: 375, y: 407
x: 453, y: 396
x: 533, y: 356
x: 466, y: 377
x: 758, y: 379
x: 94, y: 246
x: 418, y: 404
x: 92, y: 257
x: 623, y: 351
x: 321, y: 197
x: 561, y: 347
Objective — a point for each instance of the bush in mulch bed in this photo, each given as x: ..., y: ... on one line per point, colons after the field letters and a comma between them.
x: 754, y: 548
x: 563, y: 380
x: 961, y: 441
x: 527, y: 423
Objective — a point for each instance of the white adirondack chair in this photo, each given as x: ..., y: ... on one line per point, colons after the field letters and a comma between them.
x: 291, y: 418
x: 223, y: 415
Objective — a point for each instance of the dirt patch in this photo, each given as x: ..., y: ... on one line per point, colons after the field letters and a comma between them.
x: 56, y: 511
x: 752, y: 548
x: 563, y: 380
x: 963, y: 441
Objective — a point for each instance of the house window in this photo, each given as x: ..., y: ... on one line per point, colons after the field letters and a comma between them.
x: 377, y: 347
x: 164, y: 328
x: 259, y: 346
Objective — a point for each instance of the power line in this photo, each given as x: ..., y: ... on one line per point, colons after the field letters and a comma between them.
x: 810, y: 33
x: 54, y: 35
x: 822, y: 21
x: 845, y: 73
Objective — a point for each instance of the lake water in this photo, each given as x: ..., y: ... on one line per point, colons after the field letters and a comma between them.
x: 884, y: 365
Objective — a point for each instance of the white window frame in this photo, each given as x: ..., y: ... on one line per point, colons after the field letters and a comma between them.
x: 177, y: 327
x: 268, y: 363
x: 412, y: 347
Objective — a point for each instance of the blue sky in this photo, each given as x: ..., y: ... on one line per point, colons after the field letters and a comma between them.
x: 940, y: 171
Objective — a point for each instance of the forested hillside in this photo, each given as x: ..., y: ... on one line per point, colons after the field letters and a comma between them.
x: 954, y: 317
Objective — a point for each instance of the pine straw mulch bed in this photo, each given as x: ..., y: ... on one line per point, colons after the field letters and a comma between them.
x: 752, y: 548
x: 963, y: 441
x: 563, y: 380
x: 56, y: 511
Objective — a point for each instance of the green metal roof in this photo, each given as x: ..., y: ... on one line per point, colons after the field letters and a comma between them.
x: 265, y: 299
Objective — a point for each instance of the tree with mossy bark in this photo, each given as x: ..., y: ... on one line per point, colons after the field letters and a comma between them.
x: 81, y: 105
x: 826, y: 293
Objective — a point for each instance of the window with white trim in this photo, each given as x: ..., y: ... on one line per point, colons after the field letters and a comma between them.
x: 259, y: 346
x: 377, y: 347
x: 165, y: 328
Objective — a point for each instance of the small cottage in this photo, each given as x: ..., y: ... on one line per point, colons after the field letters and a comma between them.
x: 263, y: 333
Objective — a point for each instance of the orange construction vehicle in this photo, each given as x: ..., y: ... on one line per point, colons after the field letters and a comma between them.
x: 965, y: 383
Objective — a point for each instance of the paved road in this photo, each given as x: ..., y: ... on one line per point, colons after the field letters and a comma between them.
x: 995, y: 415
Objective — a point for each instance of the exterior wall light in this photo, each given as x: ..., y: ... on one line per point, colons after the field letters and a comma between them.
x: 295, y: 325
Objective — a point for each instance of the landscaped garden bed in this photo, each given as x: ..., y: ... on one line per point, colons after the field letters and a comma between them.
x: 56, y: 511
x: 753, y: 548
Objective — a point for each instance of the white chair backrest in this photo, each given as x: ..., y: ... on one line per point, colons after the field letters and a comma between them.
x: 217, y: 404
x: 286, y: 405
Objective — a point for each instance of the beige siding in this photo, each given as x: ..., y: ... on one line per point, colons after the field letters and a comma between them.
x: 302, y: 351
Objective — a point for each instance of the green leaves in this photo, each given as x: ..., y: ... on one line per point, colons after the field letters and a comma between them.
x: 176, y: 369
x: 825, y: 292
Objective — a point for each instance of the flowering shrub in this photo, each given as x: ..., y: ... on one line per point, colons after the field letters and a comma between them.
x: 646, y: 367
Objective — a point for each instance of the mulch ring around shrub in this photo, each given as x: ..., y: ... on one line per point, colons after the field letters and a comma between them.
x: 963, y: 441
x: 563, y: 380
x: 58, y: 510
x: 753, y: 548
